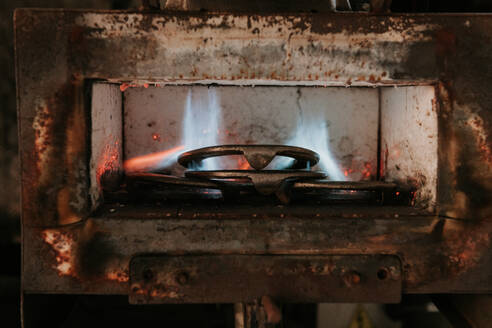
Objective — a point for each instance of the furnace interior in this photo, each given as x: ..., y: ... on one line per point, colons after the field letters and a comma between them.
x: 362, y: 133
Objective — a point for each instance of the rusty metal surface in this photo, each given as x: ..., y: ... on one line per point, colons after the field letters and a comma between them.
x: 438, y: 255
x: 57, y: 52
x: 229, y: 279
x: 258, y: 156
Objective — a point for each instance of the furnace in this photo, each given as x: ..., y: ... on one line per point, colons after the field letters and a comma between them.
x: 224, y: 157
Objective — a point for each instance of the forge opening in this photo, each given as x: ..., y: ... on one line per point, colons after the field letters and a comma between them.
x: 361, y: 133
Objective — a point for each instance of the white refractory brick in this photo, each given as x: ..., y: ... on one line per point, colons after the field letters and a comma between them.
x: 258, y: 115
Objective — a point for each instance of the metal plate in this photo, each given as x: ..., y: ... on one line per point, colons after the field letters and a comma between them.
x: 258, y: 156
x: 285, y: 278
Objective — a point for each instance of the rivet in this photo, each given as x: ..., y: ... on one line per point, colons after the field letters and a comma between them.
x: 182, y: 278
x: 382, y: 273
x: 148, y: 274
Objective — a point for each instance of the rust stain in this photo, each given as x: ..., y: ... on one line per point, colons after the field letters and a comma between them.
x: 42, y: 126
x: 119, y: 276
x: 481, y: 137
x: 465, y: 246
x: 446, y: 42
x: 62, y: 244
x: 60, y: 153
x: 108, y: 166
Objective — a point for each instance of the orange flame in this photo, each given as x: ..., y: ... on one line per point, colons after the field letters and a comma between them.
x: 242, y: 164
x: 145, y: 162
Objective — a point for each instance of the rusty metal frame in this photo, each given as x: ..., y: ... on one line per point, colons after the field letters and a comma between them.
x: 314, y: 279
x: 69, y: 249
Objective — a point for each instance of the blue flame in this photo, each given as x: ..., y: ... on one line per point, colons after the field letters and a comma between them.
x: 201, y: 122
x: 315, y: 136
x: 312, y: 133
x: 202, y: 119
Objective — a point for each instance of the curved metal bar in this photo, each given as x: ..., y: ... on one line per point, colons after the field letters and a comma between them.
x: 258, y: 156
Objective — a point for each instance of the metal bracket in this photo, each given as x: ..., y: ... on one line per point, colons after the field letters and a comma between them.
x: 285, y: 278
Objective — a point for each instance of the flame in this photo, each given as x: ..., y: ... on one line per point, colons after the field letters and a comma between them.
x: 202, y: 126
x: 201, y: 122
x: 312, y: 132
x: 242, y: 164
x: 145, y: 162
x: 62, y: 244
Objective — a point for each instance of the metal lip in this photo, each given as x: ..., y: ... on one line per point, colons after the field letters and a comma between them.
x: 344, y: 185
x: 238, y: 174
x: 258, y: 156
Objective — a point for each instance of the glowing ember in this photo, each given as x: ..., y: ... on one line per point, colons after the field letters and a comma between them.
x: 62, y: 244
x: 125, y: 86
x: 151, y: 161
x: 242, y: 164
x: 348, y: 172
x: 156, y: 137
x: 366, y: 172
x: 108, y: 162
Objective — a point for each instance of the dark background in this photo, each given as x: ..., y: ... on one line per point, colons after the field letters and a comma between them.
x: 9, y: 159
